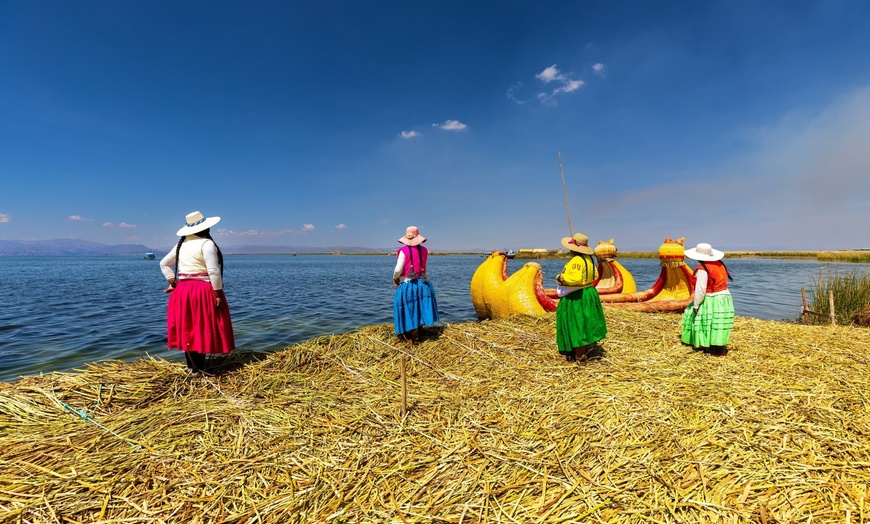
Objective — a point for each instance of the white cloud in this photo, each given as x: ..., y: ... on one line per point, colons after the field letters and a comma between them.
x: 108, y: 224
x: 247, y: 233
x: 550, y: 74
x: 571, y: 85
x: 341, y: 226
x: 451, y: 125
x: 512, y: 93
x: 78, y: 218
x: 599, y: 69
x: 266, y: 232
x: 4, y: 218
x: 126, y: 225
x: 410, y: 134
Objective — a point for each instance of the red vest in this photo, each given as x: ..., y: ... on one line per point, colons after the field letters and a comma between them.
x: 717, y: 276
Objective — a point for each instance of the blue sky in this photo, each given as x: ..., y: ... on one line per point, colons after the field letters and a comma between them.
x: 742, y: 123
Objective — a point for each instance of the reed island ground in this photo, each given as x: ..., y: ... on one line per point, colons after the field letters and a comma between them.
x: 497, y: 428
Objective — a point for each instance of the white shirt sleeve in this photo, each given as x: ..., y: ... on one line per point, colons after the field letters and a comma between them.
x: 209, y: 252
x: 166, y: 265
x: 700, y: 287
x: 400, y: 265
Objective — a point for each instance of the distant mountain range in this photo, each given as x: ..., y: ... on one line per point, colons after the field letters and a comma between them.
x: 68, y: 247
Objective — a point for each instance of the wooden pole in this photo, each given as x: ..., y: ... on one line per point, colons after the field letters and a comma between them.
x: 565, y: 190
x: 804, y: 309
x: 404, y: 381
x: 831, y: 304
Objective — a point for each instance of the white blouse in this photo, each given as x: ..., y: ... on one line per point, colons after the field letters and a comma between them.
x: 197, y: 256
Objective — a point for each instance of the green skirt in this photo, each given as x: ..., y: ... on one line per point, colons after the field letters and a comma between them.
x: 711, y: 326
x: 579, y: 320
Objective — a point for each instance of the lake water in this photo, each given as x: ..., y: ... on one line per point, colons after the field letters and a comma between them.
x: 60, y: 313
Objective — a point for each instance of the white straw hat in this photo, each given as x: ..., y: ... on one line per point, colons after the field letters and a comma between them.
x: 195, y: 222
x: 579, y: 243
x: 705, y: 252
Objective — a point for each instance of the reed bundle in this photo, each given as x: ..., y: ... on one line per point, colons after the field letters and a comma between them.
x: 498, y: 429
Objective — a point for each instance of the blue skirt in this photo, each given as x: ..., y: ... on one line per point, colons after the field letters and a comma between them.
x: 414, y: 305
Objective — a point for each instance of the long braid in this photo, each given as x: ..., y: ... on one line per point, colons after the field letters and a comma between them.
x: 726, y: 271
x: 207, y: 234
x: 177, y: 249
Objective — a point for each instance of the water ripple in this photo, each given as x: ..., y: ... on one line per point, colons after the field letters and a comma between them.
x: 56, y: 318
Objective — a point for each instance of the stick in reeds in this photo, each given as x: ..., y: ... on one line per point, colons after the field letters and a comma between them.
x: 565, y: 190
x: 404, y: 380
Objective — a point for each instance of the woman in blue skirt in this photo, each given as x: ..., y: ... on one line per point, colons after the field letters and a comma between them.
x: 414, y: 303
x: 708, y: 319
x: 580, y: 320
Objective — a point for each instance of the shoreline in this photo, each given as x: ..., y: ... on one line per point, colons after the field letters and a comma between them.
x: 497, y: 427
x: 844, y: 255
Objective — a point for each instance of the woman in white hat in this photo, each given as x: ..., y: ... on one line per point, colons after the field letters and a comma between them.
x: 198, y: 316
x: 708, y: 319
x: 580, y: 322
x: 414, y: 303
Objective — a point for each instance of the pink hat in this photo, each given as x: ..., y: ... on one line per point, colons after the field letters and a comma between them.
x: 412, y: 237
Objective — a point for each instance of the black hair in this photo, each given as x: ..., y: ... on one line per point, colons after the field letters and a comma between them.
x: 177, y: 249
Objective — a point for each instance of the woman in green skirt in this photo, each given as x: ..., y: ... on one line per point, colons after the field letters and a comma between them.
x: 579, y: 316
x: 708, y: 319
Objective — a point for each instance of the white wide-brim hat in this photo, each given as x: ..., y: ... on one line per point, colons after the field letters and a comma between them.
x: 195, y: 222
x: 704, y: 252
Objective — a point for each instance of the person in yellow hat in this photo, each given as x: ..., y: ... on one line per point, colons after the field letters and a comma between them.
x: 580, y: 322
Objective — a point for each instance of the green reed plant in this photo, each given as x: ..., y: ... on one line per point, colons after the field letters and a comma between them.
x: 851, y: 296
x: 637, y: 254
x: 845, y: 256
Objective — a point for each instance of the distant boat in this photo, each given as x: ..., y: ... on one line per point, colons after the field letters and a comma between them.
x: 149, y: 256
x: 510, y: 253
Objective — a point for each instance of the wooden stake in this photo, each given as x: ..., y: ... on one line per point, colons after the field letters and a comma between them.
x: 803, y: 309
x: 565, y: 190
x: 831, y: 304
x: 404, y: 381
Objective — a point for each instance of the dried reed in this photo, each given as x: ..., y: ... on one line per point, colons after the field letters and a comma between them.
x: 498, y: 429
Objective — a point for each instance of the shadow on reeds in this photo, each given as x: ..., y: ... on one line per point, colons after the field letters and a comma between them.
x: 596, y: 352
x: 431, y: 333
x: 224, y: 364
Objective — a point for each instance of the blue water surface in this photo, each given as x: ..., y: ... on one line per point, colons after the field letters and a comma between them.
x: 60, y: 313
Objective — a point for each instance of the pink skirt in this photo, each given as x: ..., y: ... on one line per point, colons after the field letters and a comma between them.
x: 194, y: 323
